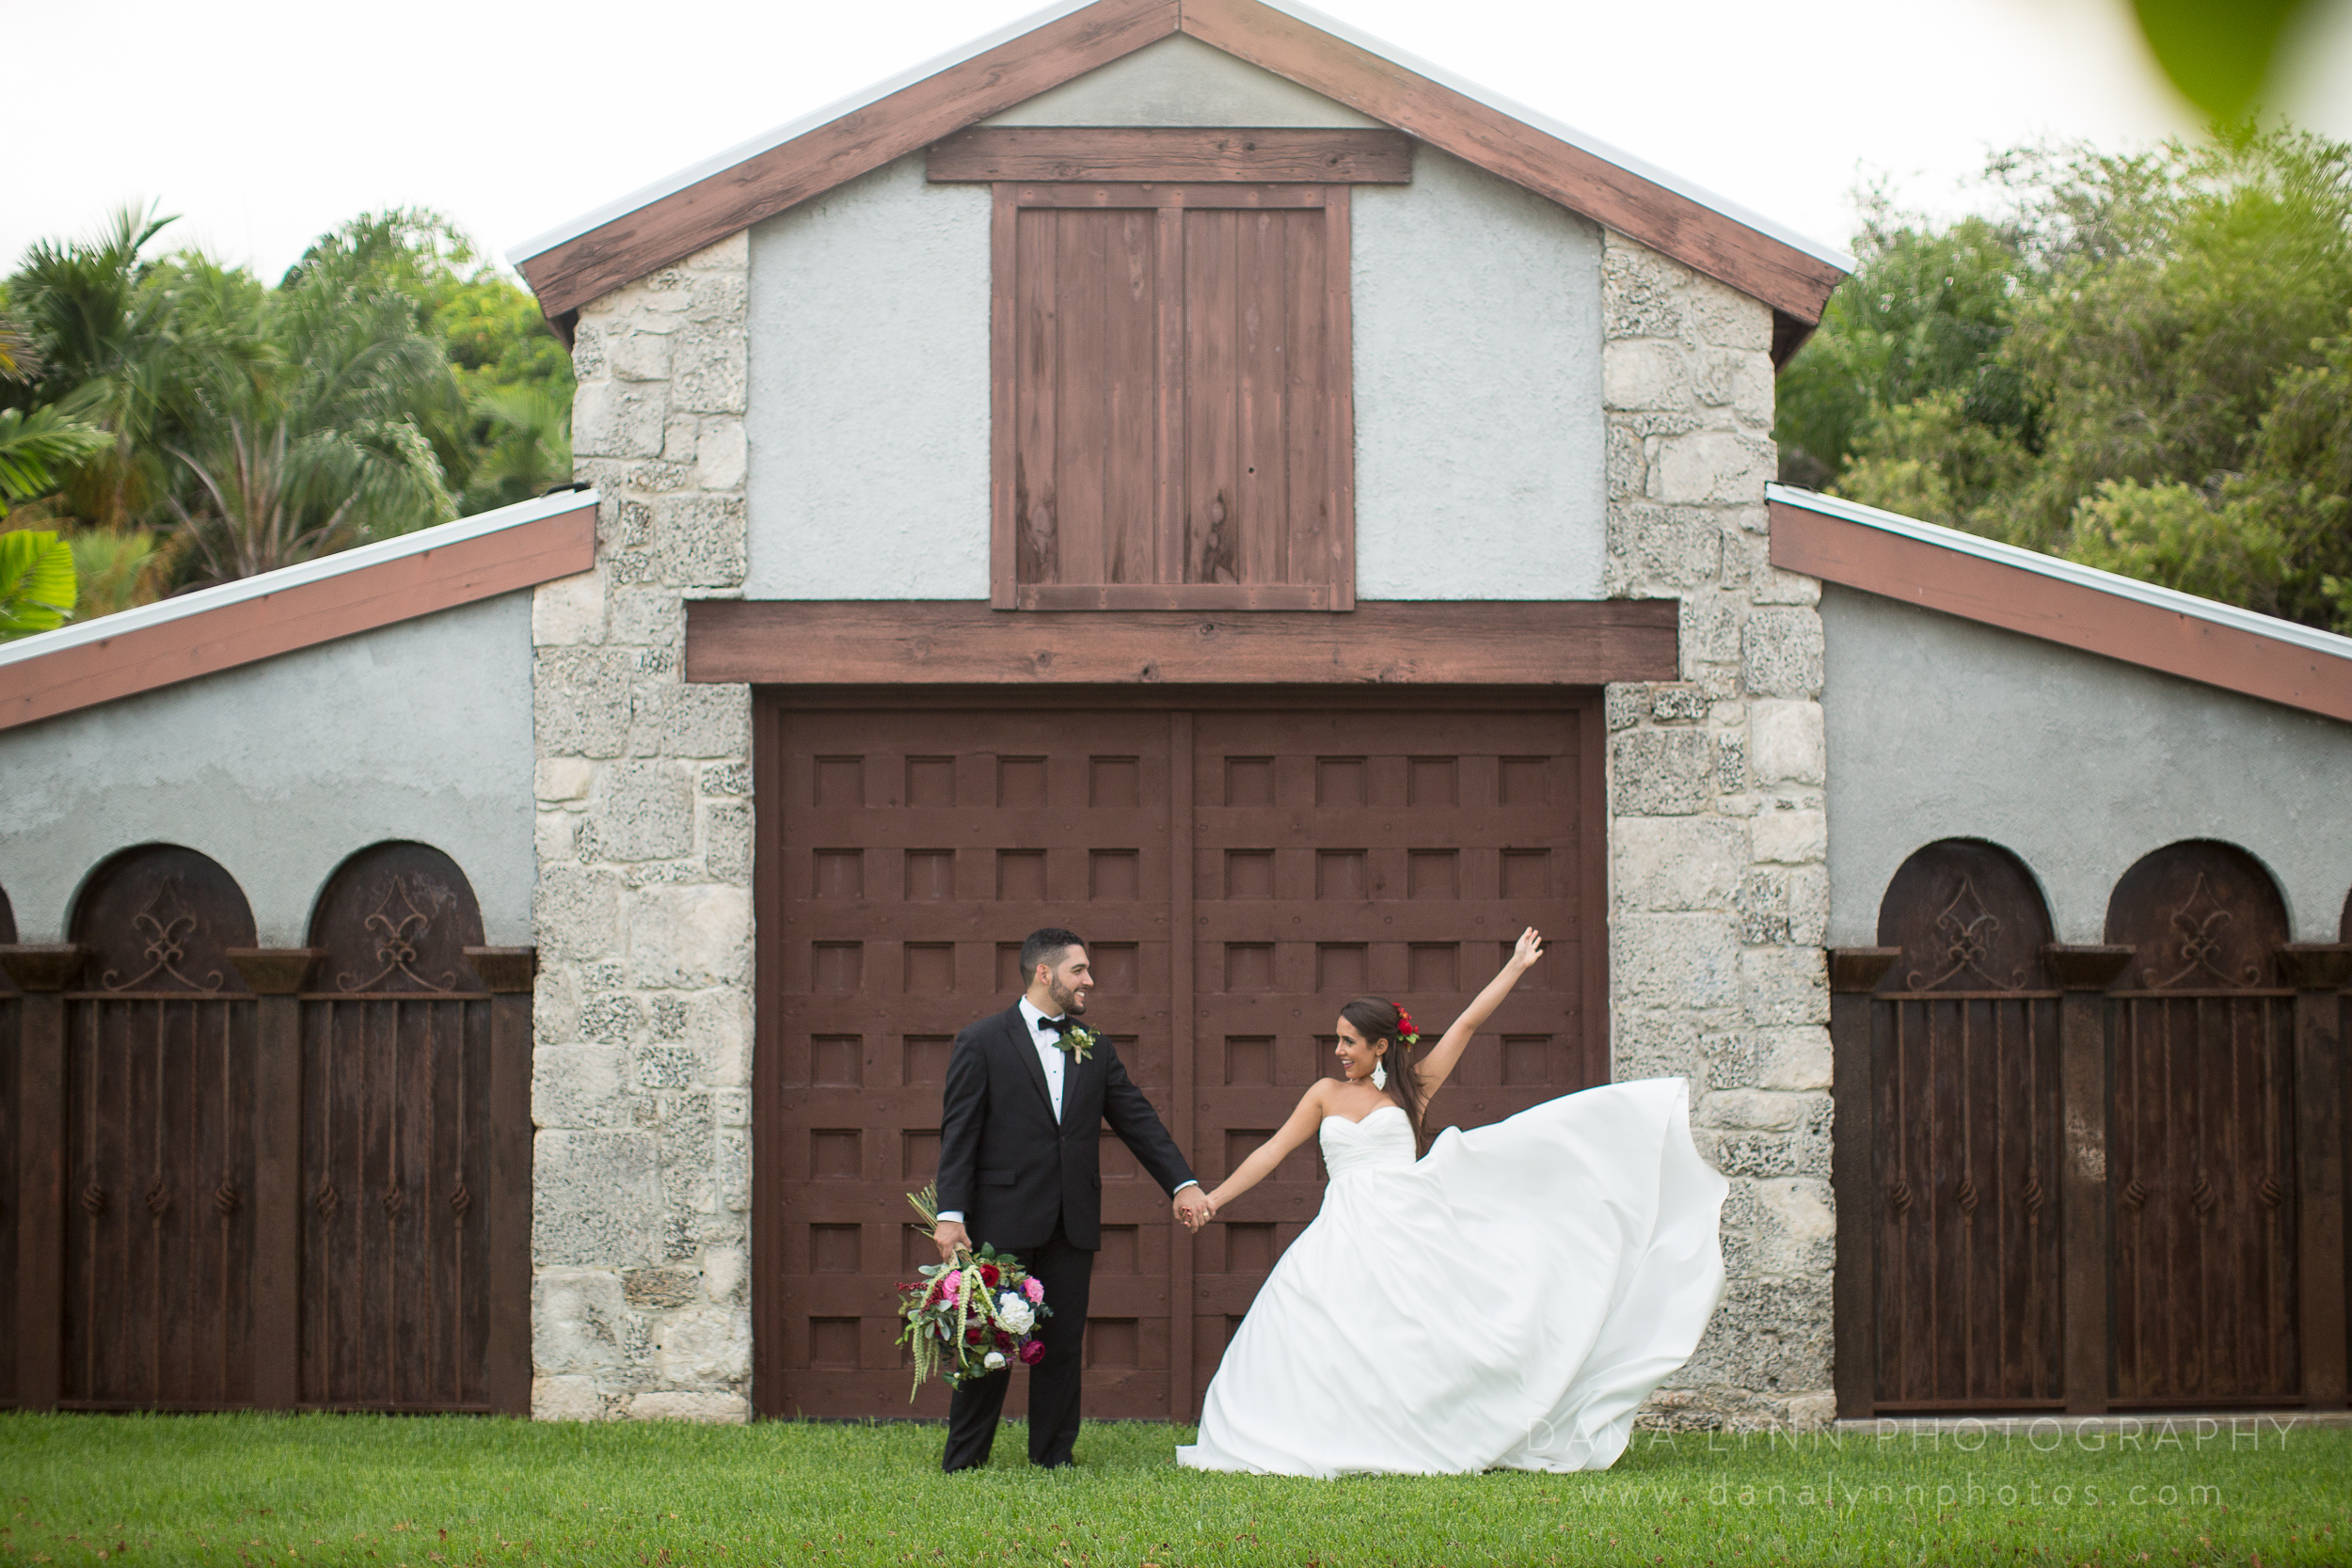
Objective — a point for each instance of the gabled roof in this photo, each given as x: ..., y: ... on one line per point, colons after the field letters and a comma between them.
x: 652, y: 227
x: 2081, y: 607
x: 296, y: 607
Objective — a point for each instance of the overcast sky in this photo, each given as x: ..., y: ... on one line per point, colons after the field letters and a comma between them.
x: 263, y: 122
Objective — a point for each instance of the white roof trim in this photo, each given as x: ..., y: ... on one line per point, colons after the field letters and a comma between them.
x: 438, y: 537
x: 2066, y: 571
x: 648, y: 194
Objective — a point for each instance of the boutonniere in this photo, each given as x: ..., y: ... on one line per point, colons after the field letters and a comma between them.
x: 1078, y: 1040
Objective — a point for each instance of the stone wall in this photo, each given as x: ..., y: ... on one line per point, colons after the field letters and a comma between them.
x: 640, y: 1222
x: 1719, y: 886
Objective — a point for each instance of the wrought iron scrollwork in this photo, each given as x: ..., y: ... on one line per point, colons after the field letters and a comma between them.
x: 2196, y: 930
x: 164, y: 928
x: 398, y: 929
x: 1965, y: 930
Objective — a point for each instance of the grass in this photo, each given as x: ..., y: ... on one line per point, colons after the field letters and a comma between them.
x: 432, y: 1491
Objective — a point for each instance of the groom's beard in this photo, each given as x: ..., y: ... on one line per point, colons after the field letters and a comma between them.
x: 1066, y: 1000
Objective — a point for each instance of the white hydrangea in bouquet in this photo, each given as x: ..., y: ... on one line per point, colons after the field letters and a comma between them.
x: 972, y: 1316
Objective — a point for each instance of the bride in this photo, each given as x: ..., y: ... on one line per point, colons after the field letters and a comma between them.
x: 1505, y: 1300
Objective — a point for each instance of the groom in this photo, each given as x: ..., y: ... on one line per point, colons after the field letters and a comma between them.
x: 1020, y: 1169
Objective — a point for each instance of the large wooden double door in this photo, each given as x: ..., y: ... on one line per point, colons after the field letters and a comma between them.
x: 1238, y: 872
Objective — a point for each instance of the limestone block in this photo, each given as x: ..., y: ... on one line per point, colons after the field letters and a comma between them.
x: 658, y: 1289
x: 719, y: 455
x: 1709, y: 631
x: 1792, y: 1058
x: 646, y: 618
x: 1626, y: 462
x: 700, y: 539
x: 735, y: 1169
x: 1796, y: 1230
x: 732, y: 1107
x: 1753, y: 1110
x: 710, y: 374
x: 1659, y: 772
x: 1624, y: 705
x: 620, y: 419
x: 1780, y: 653
x: 1677, y: 863
x: 577, y: 1086
x: 1813, y: 1412
x: 720, y: 1409
x: 554, y: 835
x: 569, y: 609
x: 1784, y: 985
x: 580, y: 702
x: 1741, y: 380
x: 681, y: 720
x: 1787, y: 744
x: 1809, y: 905
x: 656, y: 475
x: 1772, y: 1334
x: 727, y: 1271
x: 689, y: 937
x: 1675, y: 702
x: 704, y: 1345
x: 639, y: 351
x: 577, y: 1319
x: 575, y: 912
x: 727, y: 842
x: 1644, y: 372
x: 1761, y: 901
x: 588, y: 351
x: 596, y: 1199
x: 555, y: 1003
x: 1731, y: 762
x: 1668, y: 547
x: 643, y: 811
x: 731, y: 254
x: 612, y: 1019
x: 1672, y: 961
x: 1713, y: 466
x: 720, y: 296
x: 1791, y: 837
x: 1637, y: 292
x: 566, y: 1398
x: 682, y: 439
x: 1655, y: 1045
x: 722, y: 1024
x: 667, y: 1067
x: 562, y: 778
x: 1722, y: 316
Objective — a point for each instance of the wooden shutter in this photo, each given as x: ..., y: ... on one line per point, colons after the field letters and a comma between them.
x: 1172, y: 414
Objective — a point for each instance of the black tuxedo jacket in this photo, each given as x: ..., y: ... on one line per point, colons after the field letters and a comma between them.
x: 1004, y: 1161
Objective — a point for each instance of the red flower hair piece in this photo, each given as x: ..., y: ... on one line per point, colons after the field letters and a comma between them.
x: 1406, y: 1029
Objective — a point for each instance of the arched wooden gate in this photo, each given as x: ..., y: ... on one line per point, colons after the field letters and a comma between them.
x: 2090, y: 1178
x: 275, y: 1177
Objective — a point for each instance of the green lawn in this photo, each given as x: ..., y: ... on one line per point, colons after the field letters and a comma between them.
x: 440, y: 1491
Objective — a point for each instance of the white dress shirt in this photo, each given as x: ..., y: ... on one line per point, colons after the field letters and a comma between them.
x: 1056, y: 1061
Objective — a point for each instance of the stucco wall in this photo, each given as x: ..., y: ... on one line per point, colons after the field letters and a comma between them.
x: 1942, y: 728
x: 280, y: 769
x: 1478, y: 417
x: 1479, y: 435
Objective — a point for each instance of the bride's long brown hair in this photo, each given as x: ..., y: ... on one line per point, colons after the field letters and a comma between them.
x: 1378, y: 1020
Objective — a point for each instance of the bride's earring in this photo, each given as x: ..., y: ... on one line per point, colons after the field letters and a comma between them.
x: 1379, y: 1073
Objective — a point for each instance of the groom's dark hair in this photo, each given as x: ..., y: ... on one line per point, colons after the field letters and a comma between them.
x: 1046, y: 946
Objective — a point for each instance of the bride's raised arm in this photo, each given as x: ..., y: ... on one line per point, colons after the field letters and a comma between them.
x: 1435, y: 1068
x: 1303, y: 1124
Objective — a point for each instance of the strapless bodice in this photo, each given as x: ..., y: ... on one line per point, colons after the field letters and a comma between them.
x: 1383, y: 1139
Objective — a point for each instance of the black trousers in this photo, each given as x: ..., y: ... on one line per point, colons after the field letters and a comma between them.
x: 1067, y: 1272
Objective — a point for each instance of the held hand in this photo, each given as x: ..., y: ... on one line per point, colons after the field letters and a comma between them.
x: 1192, y: 1205
x: 952, y: 1238
x: 1530, y: 948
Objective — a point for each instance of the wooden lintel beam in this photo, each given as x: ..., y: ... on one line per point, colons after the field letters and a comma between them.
x: 879, y: 642
x: 1177, y: 154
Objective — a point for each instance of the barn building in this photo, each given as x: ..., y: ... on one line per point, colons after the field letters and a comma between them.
x: 1178, y: 469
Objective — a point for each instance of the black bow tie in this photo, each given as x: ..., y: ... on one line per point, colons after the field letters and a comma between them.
x: 1055, y: 1024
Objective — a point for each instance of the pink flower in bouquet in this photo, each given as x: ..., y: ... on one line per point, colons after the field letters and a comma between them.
x: 1034, y: 1289
x: 950, y: 1284
x: 1032, y: 1350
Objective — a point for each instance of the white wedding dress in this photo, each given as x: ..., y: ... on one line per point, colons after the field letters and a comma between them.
x: 1505, y: 1302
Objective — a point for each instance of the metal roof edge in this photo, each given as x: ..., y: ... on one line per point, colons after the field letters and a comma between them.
x: 261, y: 586
x: 2249, y: 621
x: 671, y: 185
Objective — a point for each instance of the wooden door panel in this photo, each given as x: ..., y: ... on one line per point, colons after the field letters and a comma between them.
x: 2202, y: 1159
x: 912, y: 853
x: 1307, y: 830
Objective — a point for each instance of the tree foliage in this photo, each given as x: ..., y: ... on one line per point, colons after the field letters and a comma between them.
x: 37, y: 582
x: 183, y: 422
x: 2141, y: 363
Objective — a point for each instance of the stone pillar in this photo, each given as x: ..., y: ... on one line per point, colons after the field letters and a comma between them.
x: 1717, y: 831
x: 642, y: 1025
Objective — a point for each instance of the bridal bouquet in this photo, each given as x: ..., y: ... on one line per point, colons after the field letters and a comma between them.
x: 970, y: 1316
